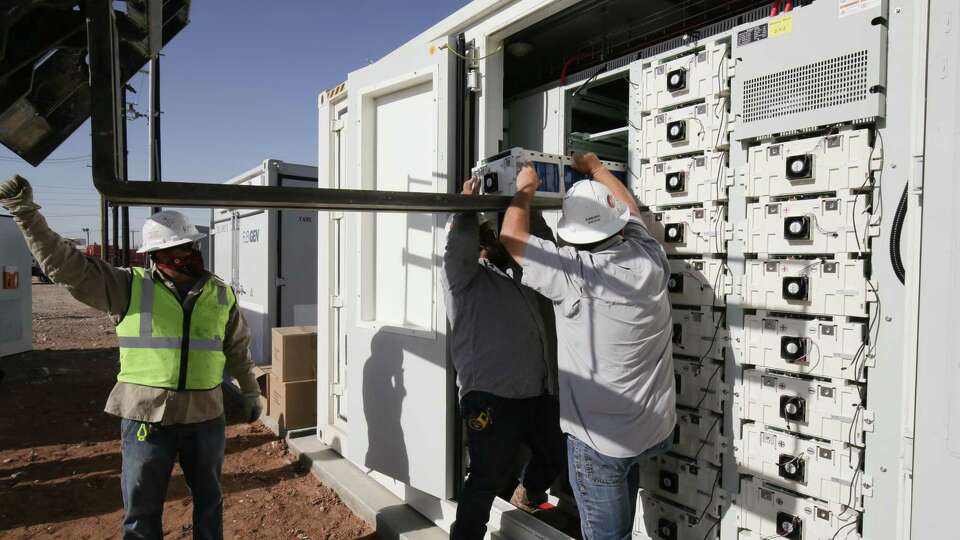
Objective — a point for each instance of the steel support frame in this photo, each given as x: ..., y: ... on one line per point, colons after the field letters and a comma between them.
x: 108, y: 146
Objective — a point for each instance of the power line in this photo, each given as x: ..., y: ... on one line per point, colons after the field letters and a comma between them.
x: 78, y: 198
x: 41, y: 185
x: 49, y: 161
x: 75, y: 205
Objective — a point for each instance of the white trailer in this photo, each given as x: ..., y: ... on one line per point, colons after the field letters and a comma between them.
x: 788, y: 128
x: 269, y: 256
x: 16, y: 308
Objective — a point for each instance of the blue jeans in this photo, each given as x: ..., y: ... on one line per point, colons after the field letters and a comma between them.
x: 606, y: 488
x: 497, y: 429
x: 149, y: 452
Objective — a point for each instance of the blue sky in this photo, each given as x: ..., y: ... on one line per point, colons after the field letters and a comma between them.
x: 238, y: 85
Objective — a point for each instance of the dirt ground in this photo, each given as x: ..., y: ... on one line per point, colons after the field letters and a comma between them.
x: 60, y: 453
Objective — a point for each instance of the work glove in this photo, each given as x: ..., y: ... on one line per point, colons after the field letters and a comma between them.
x: 251, y: 406
x: 16, y: 195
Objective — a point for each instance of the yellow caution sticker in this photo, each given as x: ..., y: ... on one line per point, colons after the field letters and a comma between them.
x: 781, y: 26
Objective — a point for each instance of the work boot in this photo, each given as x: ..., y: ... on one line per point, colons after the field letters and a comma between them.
x: 527, y: 501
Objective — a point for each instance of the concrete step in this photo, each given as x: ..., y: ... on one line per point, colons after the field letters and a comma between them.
x: 369, y: 500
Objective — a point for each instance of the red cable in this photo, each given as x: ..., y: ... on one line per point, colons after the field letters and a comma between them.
x: 775, y: 8
x: 570, y: 61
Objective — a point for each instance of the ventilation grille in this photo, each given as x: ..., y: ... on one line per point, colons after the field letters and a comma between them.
x: 819, y: 85
x: 677, y: 42
x: 706, y: 32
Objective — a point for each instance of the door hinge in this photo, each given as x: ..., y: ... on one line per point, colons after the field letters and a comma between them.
x: 281, y: 281
x: 336, y: 301
x: 868, y: 420
x: 473, y: 80
x: 336, y: 125
x: 336, y: 389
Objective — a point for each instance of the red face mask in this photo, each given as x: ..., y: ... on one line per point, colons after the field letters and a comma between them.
x: 191, y: 265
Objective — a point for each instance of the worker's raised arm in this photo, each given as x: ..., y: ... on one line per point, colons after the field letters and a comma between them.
x: 462, y: 251
x: 516, y: 222
x: 590, y: 164
x: 89, y: 280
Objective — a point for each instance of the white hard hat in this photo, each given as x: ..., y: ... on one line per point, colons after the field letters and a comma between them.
x: 591, y: 213
x: 167, y: 229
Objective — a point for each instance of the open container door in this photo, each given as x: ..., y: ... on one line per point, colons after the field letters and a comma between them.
x: 296, y: 245
x: 400, y: 399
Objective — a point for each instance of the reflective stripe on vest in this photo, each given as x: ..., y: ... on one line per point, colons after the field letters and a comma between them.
x: 161, y: 346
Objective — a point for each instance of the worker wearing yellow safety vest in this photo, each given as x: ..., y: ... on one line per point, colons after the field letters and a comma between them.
x: 179, y: 330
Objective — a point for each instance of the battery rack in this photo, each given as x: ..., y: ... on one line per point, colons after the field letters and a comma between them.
x: 759, y: 159
x: 680, y: 139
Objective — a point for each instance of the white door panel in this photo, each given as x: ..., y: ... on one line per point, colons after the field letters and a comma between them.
x: 400, y: 403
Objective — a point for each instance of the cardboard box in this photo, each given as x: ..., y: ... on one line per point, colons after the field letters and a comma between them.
x: 295, y: 353
x: 262, y: 373
x: 293, y: 404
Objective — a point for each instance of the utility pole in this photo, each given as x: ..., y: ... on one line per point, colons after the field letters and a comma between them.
x: 124, y: 257
x: 87, y: 230
x: 115, y: 212
x: 104, y: 238
x: 153, y: 123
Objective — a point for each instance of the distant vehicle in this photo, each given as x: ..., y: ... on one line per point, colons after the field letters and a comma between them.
x: 136, y: 259
x: 36, y: 272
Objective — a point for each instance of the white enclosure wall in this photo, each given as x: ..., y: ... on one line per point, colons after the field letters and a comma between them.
x: 15, y: 303
x: 936, y: 459
x: 399, y: 403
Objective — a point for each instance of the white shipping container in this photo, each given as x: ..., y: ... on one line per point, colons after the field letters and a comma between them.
x: 15, y: 291
x: 269, y: 257
x: 825, y: 101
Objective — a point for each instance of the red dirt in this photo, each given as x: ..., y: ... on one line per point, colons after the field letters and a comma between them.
x: 60, y: 455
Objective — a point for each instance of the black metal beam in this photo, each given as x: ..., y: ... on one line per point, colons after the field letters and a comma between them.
x: 107, y: 146
x: 105, y: 110
x: 203, y: 195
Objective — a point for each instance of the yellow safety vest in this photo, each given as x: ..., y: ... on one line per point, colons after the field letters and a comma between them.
x: 164, y: 347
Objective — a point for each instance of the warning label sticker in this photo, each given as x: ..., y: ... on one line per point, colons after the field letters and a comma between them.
x: 852, y: 7
x: 781, y: 26
x: 748, y: 36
